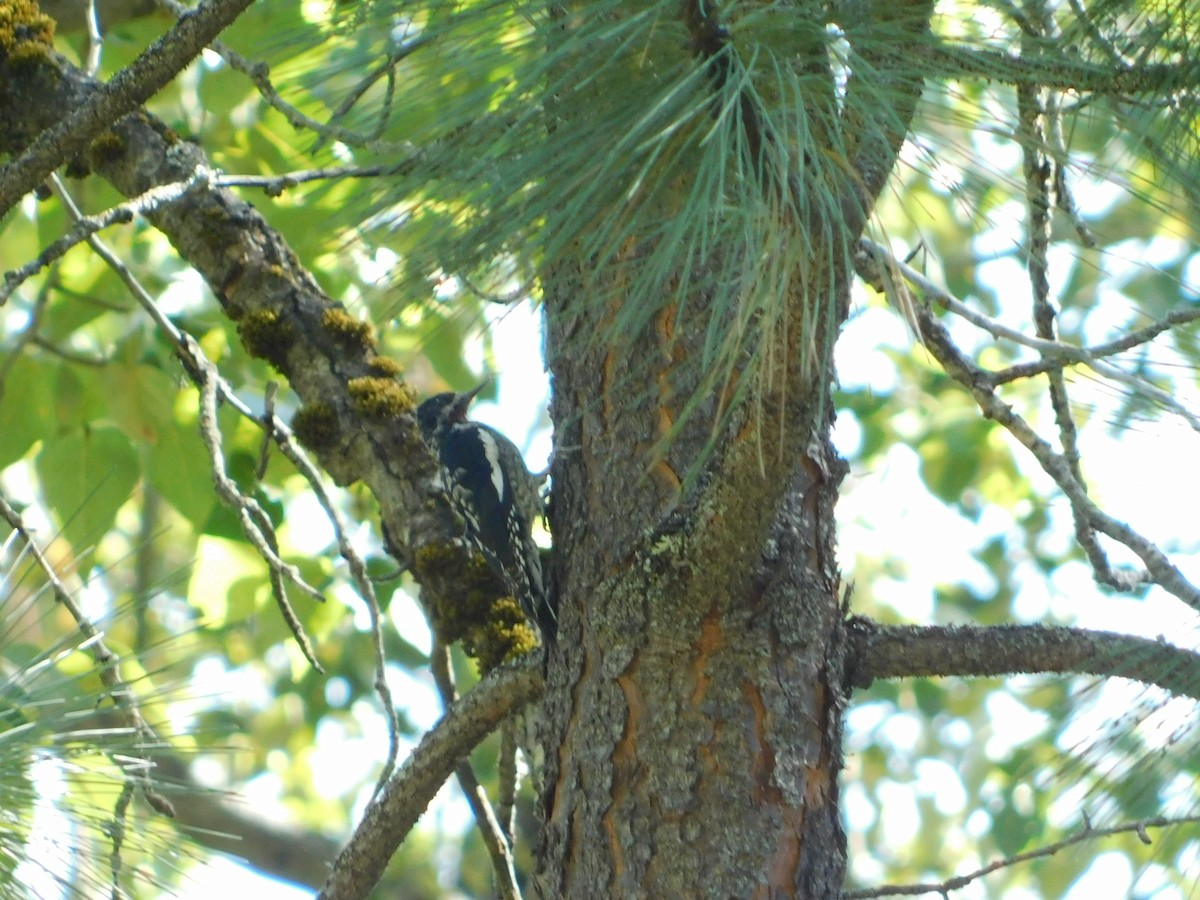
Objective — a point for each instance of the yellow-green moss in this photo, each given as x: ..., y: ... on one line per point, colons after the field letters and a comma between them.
x: 26, y: 33
x: 348, y: 331
x: 505, y: 635
x: 381, y: 398
x: 267, y: 335
x: 442, y: 563
x: 384, y: 366
x: 315, y: 425
x: 492, y: 628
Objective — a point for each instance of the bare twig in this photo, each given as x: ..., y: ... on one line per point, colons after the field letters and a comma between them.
x: 117, y: 832
x: 1037, y: 171
x: 876, y: 263
x: 274, y: 185
x: 95, y: 38
x: 1057, y: 354
x: 201, y: 369
x: 286, y: 441
x: 1087, y: 832
x: 86, y: 226
x: 29, y: 334
x: 260, y: 74
x: 491, y: 830
x: 507, y: 778
x: 1159, y: 569
x: 256, y: 525
x: 403, y: 48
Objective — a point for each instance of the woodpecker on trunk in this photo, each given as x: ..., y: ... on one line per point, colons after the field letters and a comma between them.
x: 488, y: 485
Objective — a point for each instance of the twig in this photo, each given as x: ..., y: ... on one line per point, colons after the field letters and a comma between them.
x: 95, y: 38
x: 490, y: 829
x: 256, y: 525
x: 117, y: 834
x: 875, y: 264
x: 1037, y: 172
x: 260, y: 74
x: 197, y: 365
x: 286, y: 441
x: 1086, y: 832
x: 404, y: 48
x: 506, y: 766
x: 1159, y: 569
x: 274, y: 185
x: 29, y: 333
x: 86, y: 226
x: 1057, y: 354
x: 71, y: 356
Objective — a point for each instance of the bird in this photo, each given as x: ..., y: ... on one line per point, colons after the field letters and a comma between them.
x: 488, y: 485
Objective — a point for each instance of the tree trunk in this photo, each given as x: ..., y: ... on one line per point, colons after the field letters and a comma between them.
x: 695, y: 694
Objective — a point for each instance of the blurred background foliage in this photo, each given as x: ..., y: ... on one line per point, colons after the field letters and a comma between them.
x: 941, y: 520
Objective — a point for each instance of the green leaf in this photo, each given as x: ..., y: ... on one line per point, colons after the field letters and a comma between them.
x: 86, y: 476
x: 141, y: 399
x: 178, y: 467
x: 27, y: 410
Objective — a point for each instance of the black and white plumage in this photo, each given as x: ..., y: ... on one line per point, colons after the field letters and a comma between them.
x: 488, y: 485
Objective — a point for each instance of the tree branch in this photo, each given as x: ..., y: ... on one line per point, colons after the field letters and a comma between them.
x: 877, y: 266
x: 356, y: 415
x: 260, y: 74
x: 1053, y: 71
x: 222, y: 823
x: 128, y: 89
x: 889, y: 651
x: 87, y: 226
x: 256, y: 524
x: 396, y: 809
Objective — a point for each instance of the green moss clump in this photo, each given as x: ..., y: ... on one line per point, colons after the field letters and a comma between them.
x: 492, y: 628
x: 267, y: 335
x: 381, y: 398
x: 504, y: 636
x: 348, y: 331
x: 26, y: 33
x: 316, y: 427
x: 384, y: 366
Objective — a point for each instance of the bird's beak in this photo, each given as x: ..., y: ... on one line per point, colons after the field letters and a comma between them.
x: 473, y: 392
x: 462, y: 402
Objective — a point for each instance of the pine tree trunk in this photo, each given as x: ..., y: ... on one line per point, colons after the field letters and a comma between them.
x: 694, y: 701
x: 695, y: 695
